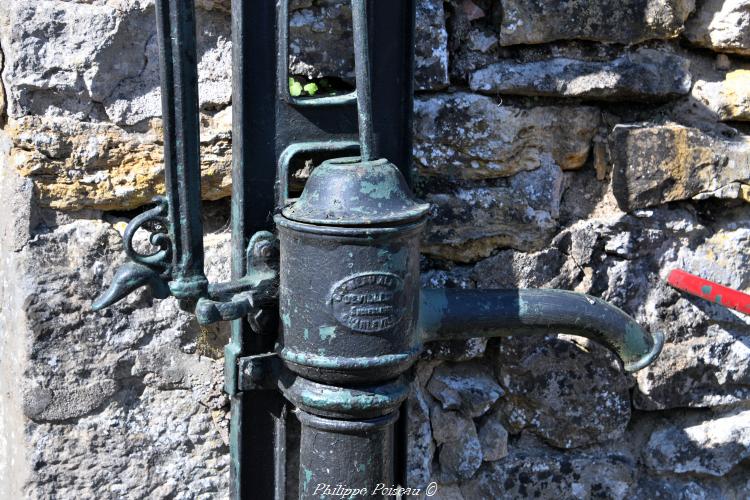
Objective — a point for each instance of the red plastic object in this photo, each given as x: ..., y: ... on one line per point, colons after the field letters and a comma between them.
x: 708, y: 290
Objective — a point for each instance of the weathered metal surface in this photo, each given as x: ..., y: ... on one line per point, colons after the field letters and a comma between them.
x: 452, y: 314
x: 179, y: 83
x: 350, y: 192
x: 384, y: 70
x: 259, y: 372
x: 254, y: 295
x: 182, y: 207
x: 350, y: 454
x: 360, y: 401
x: 348, y: 300
x: 258, y: 423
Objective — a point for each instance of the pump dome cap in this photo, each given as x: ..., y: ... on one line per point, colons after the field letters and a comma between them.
x: 351, y: 192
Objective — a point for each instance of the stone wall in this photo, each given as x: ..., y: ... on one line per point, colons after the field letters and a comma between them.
x: 586, y: 145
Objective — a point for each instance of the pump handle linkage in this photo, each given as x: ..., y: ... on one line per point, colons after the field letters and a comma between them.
x: 177, y: 267
x: 330, y: 315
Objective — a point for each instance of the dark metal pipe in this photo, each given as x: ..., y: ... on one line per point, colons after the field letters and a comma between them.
x: 384, y: 70
x: 179, y: 87
x: 346, y: 458
x: 460, y: 314
x: 362, y: 63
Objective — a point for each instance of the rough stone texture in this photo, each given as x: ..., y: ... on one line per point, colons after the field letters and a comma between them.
x: 728, y: 99
x: 153, y: 394
x: 707, y: 361
x: 421, y: 445
x: 131, y: 381
x: 431, y: 49
x: 99, y: 61
x: 469, y: 223
x: 571, y: 173
x: 643, y: 75
x: 721, y: 25
x: 14, y: 342
x: 623, y: 21
x: 139, y: 98
x: 77, y: 165
x: 469, y: 387
x: 540, y: 473
x: 321, y: 42
x: 459, y: 449
x: 493, y: 438
x: 460, y: 459
x: 467, y: 136
x: 470, y: 138
x: 625, y: 260
x: 568, y: 395
x: 658, y: 164
x: 711, y: 446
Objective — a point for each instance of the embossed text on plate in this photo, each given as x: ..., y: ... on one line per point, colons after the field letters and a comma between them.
x: 368, y: 302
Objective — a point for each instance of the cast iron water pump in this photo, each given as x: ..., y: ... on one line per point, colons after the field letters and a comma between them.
x: 316, y: 396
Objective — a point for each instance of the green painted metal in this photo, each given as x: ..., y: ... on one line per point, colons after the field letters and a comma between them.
x: 448, y: 314
x: 347, y: 402
x: 349, y: 192
x: 179, y: 83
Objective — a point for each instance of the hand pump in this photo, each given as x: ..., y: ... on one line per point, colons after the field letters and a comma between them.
x: 316, y: 396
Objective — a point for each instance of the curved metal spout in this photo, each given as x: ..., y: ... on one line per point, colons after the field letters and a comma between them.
x: 447, y: 314
x: 129, y: 277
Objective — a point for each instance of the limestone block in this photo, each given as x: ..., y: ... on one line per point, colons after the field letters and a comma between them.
x: 643, y: 75
x: 460, y: 452
x: 469, y: 387
x: 421, y: 445
x: 548, y: 473
x: 116, y: 403
x: 99, y: 61
x: 721, y: 25
x: 76, y: 165
x: 712, y: 444
x: 469, y: 223
x: 618, y: 21
x: 568, y: 393
x: 469, y: 136
x: 625, y: 260
x: 729, y: 99
x: 493, y: 437
x: 663, y: 163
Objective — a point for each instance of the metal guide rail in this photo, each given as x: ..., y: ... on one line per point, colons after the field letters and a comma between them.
x: 327, y: 313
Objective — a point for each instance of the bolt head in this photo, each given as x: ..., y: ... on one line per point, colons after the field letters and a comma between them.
x: 262, y: 321
x: 264, y: 249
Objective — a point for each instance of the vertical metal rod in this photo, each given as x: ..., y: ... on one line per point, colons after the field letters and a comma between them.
x: 255, y: 427
x: 384, y: 59
x: 362, y: 66
x: 179, y: 87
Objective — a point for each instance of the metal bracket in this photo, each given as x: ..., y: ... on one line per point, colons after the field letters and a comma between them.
x: 249, y: 296
x: 255, y: 296
x: 259, y: 373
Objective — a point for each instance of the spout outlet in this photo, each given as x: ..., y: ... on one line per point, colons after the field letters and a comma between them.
x: 129, y: 277
x: 448, y: 314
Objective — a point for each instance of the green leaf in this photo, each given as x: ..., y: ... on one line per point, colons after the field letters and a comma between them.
x: 311, y: 88
x: 295, y: 88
